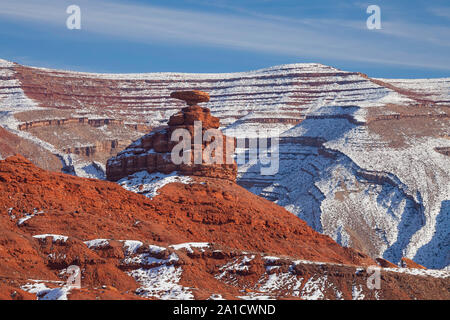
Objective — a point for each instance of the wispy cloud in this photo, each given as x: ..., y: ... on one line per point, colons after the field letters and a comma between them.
x: 315, y: 38
x: 441, y: 12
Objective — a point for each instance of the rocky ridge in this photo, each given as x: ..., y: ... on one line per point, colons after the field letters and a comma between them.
x: 206, y: 239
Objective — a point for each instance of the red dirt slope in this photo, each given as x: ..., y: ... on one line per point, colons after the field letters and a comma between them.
x: 37, y: 202
x: 214, y: 211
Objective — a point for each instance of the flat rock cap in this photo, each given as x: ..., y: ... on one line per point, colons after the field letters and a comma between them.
x: 191, y: 97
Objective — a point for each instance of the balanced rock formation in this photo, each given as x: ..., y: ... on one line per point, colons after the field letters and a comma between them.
x: 153, y: 151
x: 191, y: 97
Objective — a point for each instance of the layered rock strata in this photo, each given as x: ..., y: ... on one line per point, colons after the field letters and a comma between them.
x: 153, y: 152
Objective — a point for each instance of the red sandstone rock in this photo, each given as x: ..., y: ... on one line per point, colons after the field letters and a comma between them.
x: 408, y: 263
x: 153, y: 151
x: 191, y: 97
x: 385, y: 263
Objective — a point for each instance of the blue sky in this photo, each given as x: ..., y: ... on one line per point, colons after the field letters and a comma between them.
x: 227, y: 36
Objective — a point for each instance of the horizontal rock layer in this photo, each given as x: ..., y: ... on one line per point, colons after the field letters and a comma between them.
x: 152, y: 152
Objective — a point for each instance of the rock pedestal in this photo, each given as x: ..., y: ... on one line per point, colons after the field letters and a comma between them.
x: 152, y: 152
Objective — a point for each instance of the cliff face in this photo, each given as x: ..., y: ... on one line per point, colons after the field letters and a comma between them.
x: 152, y: 152
x: 204, y: 238
x: 61, y: 122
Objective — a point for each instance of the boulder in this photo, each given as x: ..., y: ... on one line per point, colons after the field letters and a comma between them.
x: 191, y: 97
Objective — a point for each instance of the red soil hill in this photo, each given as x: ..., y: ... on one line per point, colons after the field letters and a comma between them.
x: 214, y: 210
x: 35, y: 202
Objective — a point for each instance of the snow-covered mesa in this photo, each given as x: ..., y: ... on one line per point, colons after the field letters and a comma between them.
x: 148, y: 184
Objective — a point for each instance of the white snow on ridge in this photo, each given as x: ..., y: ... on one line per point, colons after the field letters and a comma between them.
x: 97, y: 243
x: 189, y: 245
x: 337, y: 175
x: 357, y: 180
x: 93, y: 170
x: 443, y: 274
x: 436, y: 89
x: 131, y: 246
x: 275, y: 70
x: 313, y: 288
x: 12, y: 97
x: 148, y: 184
x: 5, y: 63
x: 237, y: 264
x: 280, y: 281
x: 28, y: 216
x: 42, y: 292
x: 269, y: 92
x: 55, y: 237
x: 357, y: 293
x: 159, y: 275
x: 13, y: 100
x: 162, y: 283
x: 425, y: 174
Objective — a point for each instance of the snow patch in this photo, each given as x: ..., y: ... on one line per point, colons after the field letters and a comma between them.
x: 189, y: 245
x: 148, y: 184
x: 42, y: 292
x: 97, y: 243
x: 28, y: 216
x: 55, y: 237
